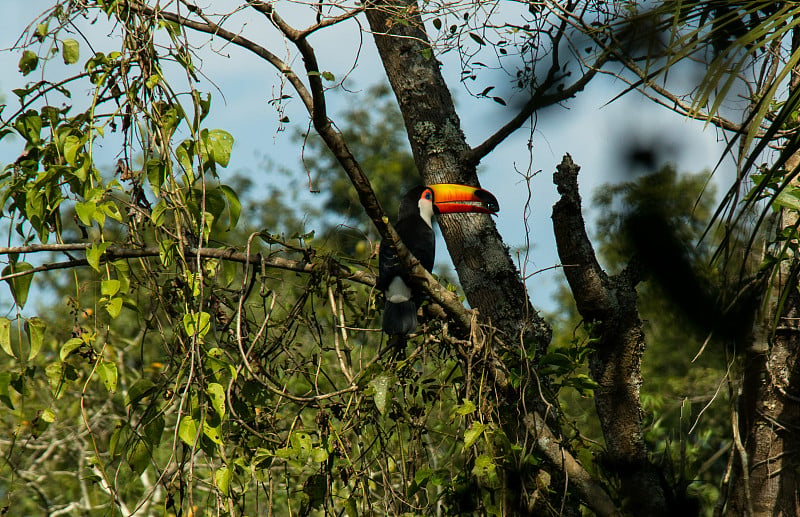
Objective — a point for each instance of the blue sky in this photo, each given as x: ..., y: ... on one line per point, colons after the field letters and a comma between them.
x: 586, y: 127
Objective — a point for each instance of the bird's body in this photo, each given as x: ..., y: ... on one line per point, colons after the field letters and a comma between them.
x: 414, y: 226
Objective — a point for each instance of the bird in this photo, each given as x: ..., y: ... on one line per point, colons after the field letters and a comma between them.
x: 414, y: 226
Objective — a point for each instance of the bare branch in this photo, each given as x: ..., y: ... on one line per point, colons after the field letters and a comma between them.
x: 117, y: 252
x: 473, y: 156
x: 209, y: 27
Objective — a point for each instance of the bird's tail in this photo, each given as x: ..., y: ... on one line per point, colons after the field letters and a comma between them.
x: 400, y: 318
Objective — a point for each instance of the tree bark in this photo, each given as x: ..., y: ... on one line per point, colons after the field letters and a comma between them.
x: 767, y: 441
x: 767, y: 475
x: 485, y: 269
x: 608, y: 304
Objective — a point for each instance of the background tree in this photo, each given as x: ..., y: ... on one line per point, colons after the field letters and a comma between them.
x: 205, y: 369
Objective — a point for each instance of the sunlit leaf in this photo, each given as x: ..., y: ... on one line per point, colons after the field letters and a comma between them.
x: 216, y: 394
x: 107, y: 371
x: 222, y: 478
x: 114, y: 307
x: 197, y: 323
x: 68, y: 347
x: 218, y: 145
x: 473, y: 433
x: 109, y: 287
x: 85, y: 211
x: 484, y: 467
x: 94, y: 253
x: 70, y: 51
x: 35, y: 328
x: 187, y: 430
x: 5, y: 336
x: 20, y: 285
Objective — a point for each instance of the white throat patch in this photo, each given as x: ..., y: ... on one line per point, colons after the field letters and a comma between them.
x: 426, y: 210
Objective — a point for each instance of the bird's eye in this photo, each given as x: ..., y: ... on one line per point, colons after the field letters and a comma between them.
x: 428, y: 195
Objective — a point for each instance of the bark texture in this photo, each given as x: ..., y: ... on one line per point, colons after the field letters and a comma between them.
x: 489, y: 277
x: 485, y: 269
x: 767, y: 442
x: 608, y: 304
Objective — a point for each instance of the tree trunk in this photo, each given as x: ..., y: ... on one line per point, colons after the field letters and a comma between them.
x: 609, y: 304
x: 767, y: 441
x: 485, y: 269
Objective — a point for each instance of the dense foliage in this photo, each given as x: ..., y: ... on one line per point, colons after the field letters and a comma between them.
x: 200, y: 349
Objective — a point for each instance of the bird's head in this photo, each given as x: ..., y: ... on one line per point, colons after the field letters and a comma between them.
x: 447, y: 198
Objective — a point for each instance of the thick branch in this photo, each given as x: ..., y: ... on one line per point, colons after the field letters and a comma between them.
x: 609, y: 305
x: 594, y: 495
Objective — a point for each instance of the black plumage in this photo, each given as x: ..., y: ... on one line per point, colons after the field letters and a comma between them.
x: 414, y: 226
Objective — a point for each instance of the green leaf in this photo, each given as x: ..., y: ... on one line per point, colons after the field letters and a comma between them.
x: 5, y: 336
x: 94, y: 253
x: 217, y: 145
x: 29, y: 126
x: 382, y: 394
x: 788, y: 198
x: 115, y: 438
x: 158, y: 213
x: 319, y: 455
x: 153, y: 430
x: 328, y: 76
x: 5, y: 395
x: 139, y: 456
x: 187, y: 430
x: 109, y: 287
x: 166, y: 252
x: 72, y: 145
x: 141, y: 389
x: 114, y: 307
x: 123, y: 274
x: 467, y: 408
x: 197, y: 323
x: 85, y: 211
x: 222, y: 478
x: 302, y: 444
x: 54, y: 373
x: 35, y: 329
x: 20, y: 285
x: 473, y: 433
x: 41, y: 31
x: 70, y: 51
x: 212, y: 432
x: 216, y: 393
x: 111, y: 210
x: 28, y: 62
x: 234, y: 205
x: 68, y: 347
x: 156, y: 173
x: 48, y: 415
x: 107, y: 371
x: 484, y: 467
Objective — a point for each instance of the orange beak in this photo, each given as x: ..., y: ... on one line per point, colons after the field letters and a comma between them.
x: 452, y: 198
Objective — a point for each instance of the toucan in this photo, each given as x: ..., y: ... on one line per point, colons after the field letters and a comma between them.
x: 414, y: 226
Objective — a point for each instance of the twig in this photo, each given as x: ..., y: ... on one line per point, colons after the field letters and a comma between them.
x: 117, y: 252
